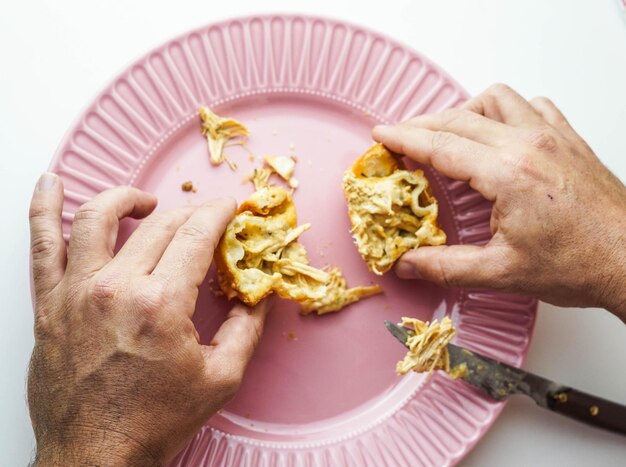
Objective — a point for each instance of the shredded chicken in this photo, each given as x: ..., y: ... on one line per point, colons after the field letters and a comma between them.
x: 338, y: 295
x: 427, y: 346
x: 219, y: 131
x: 260, y: 177
x: 391, y: 209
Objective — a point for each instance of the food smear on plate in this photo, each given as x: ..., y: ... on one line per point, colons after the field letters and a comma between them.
x: 392, y: 210
x: 259, y: 254
x: 219, y: 131
x: 428, y: 347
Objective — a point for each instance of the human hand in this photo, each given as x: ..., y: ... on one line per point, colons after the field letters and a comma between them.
x: 117, y: 375
x: 559, y: 215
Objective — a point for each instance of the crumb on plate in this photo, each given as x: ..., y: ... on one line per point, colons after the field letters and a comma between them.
x: 187, y: 186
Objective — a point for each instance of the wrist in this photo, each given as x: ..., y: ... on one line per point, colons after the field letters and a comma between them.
x: 613, y: 288
x: 616, y: 303
x: 94, y: 446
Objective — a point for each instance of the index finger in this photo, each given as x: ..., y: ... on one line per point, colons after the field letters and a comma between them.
x: 452, y: 155
x: 96, y: 224
x: 186, y: 260
x: 501, y: 103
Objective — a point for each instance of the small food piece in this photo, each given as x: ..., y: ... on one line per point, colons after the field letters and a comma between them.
x: 260, y: 177
x: 259, y: 254
x: 282, y: 165
x: 338, y: 295
x: 219, y: 131
x: 291, y: 336
x: 187, y: 186
x: 459, y: 371
x: 427, y: 345
x: 391, y: 209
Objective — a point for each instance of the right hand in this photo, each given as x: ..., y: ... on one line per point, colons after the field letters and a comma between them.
x: 559, y: 215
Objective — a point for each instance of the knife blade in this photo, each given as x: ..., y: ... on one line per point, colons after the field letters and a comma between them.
x: 500, y: 380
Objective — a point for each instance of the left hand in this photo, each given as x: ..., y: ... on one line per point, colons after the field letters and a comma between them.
x: 118, y: 375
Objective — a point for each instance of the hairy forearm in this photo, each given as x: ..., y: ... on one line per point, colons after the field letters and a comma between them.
x: 93, y: 447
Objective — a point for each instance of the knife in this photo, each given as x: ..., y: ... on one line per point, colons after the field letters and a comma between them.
x: 500, y: 380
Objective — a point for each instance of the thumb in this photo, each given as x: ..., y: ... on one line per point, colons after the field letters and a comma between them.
x: 455, y: 266
x: 236, y: 340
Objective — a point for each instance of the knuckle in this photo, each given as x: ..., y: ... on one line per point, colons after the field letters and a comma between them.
x: 543, y: 140
x: 46, y: 324
x: 542, y: 100
x: 163, y: 221
x: 43, y: 245
x: 192, y: 232
x: 451, y: 116
x: 37, y: 211
x: 499, y: 89
x: 520, y: 166
x: 41, y: 327
x: 152, y: 298
x: 91, y: 211
x: 439, y: 141
x: 445, y: 273
x: 104, y: 289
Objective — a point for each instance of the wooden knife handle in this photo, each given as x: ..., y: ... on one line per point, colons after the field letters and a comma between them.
x: 589, y: 409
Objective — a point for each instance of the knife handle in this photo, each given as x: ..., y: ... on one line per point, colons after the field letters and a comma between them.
x: 588, y: 409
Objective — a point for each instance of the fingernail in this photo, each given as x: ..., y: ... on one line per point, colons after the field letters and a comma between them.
x: 406, y: 270
x: 47, y: 181
x: 380, y: 128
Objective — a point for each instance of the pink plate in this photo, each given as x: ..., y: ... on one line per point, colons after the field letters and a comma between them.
x: 321, y: 391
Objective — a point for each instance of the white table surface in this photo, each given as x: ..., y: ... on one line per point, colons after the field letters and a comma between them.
x: 55, y: 55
